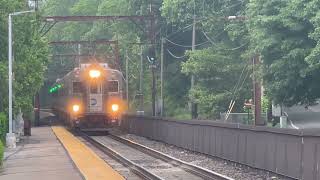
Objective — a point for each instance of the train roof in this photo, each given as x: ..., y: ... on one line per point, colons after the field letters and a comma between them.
x: 86, y: 65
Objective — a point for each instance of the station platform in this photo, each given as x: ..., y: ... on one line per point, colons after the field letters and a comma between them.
x: 54, y: 154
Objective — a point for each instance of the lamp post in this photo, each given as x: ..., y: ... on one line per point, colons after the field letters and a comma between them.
x: 10, y: 138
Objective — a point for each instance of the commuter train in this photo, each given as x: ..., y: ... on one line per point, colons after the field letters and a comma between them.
x: 90, y: 96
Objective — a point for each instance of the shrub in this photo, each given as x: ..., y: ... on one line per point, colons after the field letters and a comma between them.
x: 3, y: 126
x: 1, y: 152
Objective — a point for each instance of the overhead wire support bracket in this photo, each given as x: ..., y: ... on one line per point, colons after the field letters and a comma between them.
x: 92, y: 18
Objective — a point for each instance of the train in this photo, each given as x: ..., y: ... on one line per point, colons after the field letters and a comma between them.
x: 90, y: 96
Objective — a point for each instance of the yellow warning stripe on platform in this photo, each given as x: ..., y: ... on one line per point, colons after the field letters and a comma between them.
x: 91, y: 166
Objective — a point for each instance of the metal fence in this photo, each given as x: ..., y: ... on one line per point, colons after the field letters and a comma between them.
x: 289, y: 152
x: 241, y: 118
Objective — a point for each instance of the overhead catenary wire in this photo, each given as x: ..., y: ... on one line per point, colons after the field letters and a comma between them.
x: 177, y: 57
x: 185, y: 46
x: 234, y: 92
x: 235, y: 88
x: 226, y: 49
x: 232, y: 103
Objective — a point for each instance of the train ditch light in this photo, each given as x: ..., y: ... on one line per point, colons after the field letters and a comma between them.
x: 76, y: 108
x: 115, y: 107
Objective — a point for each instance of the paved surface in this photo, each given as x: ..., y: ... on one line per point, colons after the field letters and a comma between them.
x: 39, y: 157
x: 87, y: 161
x: 302, y: 117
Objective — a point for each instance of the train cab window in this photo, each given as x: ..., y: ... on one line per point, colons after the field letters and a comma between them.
x: 112, y: 86
x: 95, y: 89
x: 77, y: 87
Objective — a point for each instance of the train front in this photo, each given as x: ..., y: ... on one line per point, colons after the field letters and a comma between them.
x: 102, y: 102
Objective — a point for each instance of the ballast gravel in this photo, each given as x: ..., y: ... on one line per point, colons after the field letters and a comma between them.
x: 230, y: 169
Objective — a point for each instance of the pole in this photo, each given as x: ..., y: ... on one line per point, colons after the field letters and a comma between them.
x: 153, y: 90
x: 194, y: 108
x: 257, y: 94
x: 141, y: 80
x: 161, y: 77
x: 79, y: 53
x: 127, y: 78
x: 152, y: 54
x: 10, y: 137
x: 37, y: 109
x: 10, y: 73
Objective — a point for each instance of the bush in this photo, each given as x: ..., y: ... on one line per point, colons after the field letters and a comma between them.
x: 1, y: 152
x: 3, y: 127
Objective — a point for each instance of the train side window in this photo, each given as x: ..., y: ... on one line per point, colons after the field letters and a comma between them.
x: 112, y: 86
x: 77, y: 87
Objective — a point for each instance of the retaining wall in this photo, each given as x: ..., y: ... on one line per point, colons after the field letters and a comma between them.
x: 290, y: 152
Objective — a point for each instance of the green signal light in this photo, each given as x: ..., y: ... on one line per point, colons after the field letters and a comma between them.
x: 55, y: 88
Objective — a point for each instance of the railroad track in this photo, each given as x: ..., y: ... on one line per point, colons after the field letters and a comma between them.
x: 149, y: 163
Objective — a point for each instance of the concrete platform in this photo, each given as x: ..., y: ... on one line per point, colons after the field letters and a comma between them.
x: 88, y: 162
x: 39, y: 157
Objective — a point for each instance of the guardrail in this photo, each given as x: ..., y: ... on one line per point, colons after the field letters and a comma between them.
x: 290, y: 152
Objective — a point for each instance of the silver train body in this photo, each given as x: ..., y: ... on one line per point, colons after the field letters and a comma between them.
x: 90, y: 96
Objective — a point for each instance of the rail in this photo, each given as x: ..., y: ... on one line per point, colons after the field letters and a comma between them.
x: 202, y: 172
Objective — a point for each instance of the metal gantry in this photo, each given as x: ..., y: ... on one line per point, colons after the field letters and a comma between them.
x: 150, y: 33
x: 113, y: 43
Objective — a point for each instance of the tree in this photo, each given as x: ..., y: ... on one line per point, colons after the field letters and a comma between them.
x: 218, y: 64
x: 285, y: 34
x: 30, y: 55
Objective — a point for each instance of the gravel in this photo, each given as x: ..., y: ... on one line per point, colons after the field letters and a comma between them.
x: 231, y: 169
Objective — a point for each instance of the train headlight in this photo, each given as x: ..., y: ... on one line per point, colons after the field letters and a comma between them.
x: 114, y: 107
x: 94, y: 73
x: 75, y: 108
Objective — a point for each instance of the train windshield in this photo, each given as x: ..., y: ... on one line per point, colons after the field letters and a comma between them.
x: 77, y: 87
x: 95, y: 89
x: 113, y: 86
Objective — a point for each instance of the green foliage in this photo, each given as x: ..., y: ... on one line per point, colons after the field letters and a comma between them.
x: 286, y: 35
x: 217, y: 66
x: 3, y: 126
x: 125, y: 32
x: 265, y: 104
x: 30, y: 56
x: 1, y: 152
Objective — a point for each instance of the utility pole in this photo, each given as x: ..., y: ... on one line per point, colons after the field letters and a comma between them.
x: 127, y: 78
x: 194, y: 107
x: 152, y: 55
x: 161, y: 77
x: 257, y: 93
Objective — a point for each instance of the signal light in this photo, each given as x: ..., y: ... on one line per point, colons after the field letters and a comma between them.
x: 94, y: 73
x: 75, y: 108
x: 55, y: 88
x: 115, y: 107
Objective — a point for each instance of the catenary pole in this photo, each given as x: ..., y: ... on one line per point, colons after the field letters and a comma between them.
x: 194, y: 109
x: 127, y: 78
x: 141, y: 109
x: 161, y: 77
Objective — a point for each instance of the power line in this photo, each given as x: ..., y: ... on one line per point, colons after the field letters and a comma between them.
x: 226, y: 49
x: 185, y: 46
x: 177, y: 57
